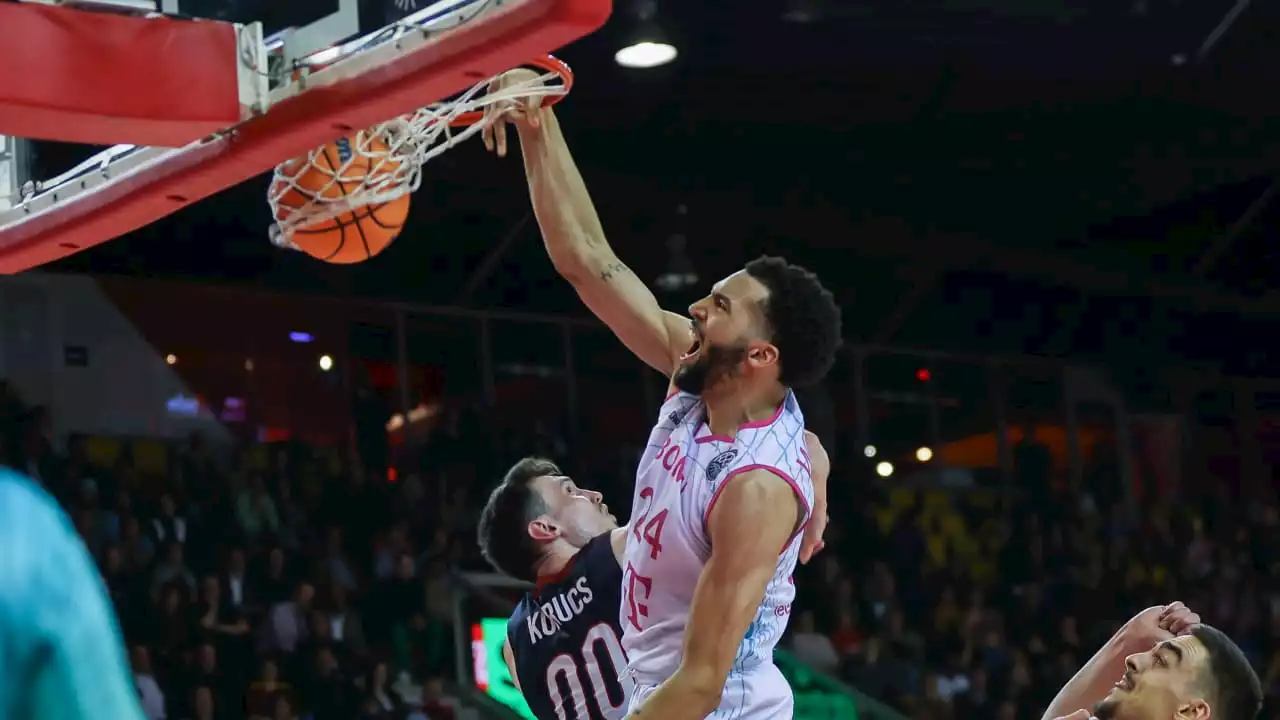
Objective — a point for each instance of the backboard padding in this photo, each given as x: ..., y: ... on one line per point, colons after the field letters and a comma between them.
x: 94, y: 77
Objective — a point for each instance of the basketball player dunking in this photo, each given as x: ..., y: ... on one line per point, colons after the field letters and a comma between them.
x: 724, y: 489
x: 564, y: 639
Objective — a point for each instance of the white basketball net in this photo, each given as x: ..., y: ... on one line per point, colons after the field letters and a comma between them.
x: 387, y: 158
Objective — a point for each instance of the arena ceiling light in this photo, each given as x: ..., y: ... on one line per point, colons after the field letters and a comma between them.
x: 645, y: 54
x: 649, y: 46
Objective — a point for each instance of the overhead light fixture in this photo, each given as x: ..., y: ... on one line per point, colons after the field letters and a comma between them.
x: 649, y: 46
x: 645, y: 54
x: 884, y: 469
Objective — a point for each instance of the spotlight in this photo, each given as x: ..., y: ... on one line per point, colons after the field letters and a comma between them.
x: 884, y: 469
x: 326, y: 363
x: 924, y: 454
x: 648, y: 47
x: 869, y: 451
x: 645, y: 54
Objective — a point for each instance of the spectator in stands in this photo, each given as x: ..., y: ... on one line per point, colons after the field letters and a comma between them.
x: 434, y: 703
x: 170, y: 629
x: 346, y: 623
x: 168, y: 526
x: 287, y: 621
x: 148, y: 687
x: 173, y: 569
x: 205, y: 707
x: 256, y: 511
x: 236, y: 588
x: 812, y: 647
x: 137, y: 550
x: 265, y: 688
x: 381, y: 702
x: 340, y: 567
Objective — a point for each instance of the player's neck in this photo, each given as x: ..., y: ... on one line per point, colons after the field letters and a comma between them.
x: 731, y: 408
x: 554, y: 561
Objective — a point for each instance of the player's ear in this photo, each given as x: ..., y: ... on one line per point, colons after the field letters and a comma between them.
x: 761, y: 353
x: 543, y: 529
x: 1197, y: 709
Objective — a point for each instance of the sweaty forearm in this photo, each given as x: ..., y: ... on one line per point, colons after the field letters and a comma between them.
x: 570, y: 226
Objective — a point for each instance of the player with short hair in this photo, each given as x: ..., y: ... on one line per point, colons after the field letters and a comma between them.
x: 724, y: 489
x: 563, y: 644
x: 61, y: 655
x: 1170, y: 667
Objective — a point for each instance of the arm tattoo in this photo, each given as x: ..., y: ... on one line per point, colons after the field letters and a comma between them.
x: 613, y: 270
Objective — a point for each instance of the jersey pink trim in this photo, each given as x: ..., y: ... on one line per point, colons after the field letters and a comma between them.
x: 748, y: 426
x: 786, y: 477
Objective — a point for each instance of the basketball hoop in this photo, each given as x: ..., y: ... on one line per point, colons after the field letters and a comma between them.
x: 384, y: 163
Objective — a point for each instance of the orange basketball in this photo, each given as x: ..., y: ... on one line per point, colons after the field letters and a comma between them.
x: 332, y: 172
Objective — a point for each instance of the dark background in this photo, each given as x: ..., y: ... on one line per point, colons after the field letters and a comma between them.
x: 1064, y: 179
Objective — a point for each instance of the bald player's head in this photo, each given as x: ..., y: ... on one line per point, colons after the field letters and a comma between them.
x: 1197, y: 676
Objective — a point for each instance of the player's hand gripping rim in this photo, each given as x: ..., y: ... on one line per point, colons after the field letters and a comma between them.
x: 524, y: 113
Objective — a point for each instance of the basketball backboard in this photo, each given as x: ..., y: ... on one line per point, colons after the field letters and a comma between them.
x: 205, y: 105
x: 14, y: 169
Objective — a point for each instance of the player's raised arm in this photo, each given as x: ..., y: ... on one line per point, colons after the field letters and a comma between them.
x: 1093, y: 681
x: 749, y: 524
x: 577, y: 245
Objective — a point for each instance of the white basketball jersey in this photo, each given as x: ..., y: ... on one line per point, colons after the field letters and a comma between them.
x: 683, y: 470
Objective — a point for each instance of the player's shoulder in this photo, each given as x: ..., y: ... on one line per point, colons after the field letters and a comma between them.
x: 17, y: 488
x: 780, y: 439
x: 27, y: 511
x: 40, y: 554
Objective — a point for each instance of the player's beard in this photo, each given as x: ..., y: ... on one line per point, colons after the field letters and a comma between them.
x: 713, y: 365
x: 1106, y: 709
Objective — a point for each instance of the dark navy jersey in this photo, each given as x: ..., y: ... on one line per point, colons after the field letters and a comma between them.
x: 566, y: 641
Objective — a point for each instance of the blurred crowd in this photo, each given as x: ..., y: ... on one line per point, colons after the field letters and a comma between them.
x: 289, y: 583
x: 978, y: 604
x: 284, y: 584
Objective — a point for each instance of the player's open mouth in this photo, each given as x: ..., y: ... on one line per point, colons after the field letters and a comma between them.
x: 691, y: 355
x: 1125, y: 683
